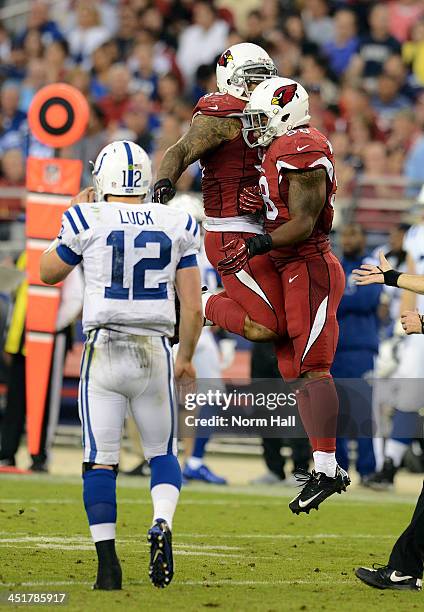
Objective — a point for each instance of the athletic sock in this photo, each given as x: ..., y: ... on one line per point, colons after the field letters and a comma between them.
x: 194, y: 463
x: 165, y: 485
x: 395, y: 451
x: 100, y: 503
x: 226, y: 313
x: 318, y: 406
x: 201, y: 442
x: 325, y: 462
x: 106, y: 553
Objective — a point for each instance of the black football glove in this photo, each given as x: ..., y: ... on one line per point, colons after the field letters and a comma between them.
x: 163, y: 191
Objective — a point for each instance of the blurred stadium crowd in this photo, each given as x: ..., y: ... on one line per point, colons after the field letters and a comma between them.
x: 143, y: 64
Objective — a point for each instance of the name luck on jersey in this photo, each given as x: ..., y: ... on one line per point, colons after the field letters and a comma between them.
x: 131, y: 254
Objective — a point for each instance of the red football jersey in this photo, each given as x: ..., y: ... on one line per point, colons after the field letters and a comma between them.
x: 229, y: 167
x: 299, y: 150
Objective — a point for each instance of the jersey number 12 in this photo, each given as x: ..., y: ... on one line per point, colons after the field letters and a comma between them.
x: 116, y: 290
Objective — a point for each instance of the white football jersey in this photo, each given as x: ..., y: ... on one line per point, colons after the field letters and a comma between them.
x: 130, y: 256
x: 413, y: 243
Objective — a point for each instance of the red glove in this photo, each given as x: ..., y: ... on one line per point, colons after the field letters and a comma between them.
x: 239, y: 251
x: 250, y: 200
x: 236, y: 256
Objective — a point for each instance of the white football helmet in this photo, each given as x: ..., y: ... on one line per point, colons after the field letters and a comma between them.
x: 122, y: 168
x: 191, y: 204
x: 276, y: 106
x: 240, y: 65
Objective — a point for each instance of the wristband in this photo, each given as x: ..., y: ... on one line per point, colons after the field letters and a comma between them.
x: 422, y: 323
x: 391, y: 277
x: 259, y: 244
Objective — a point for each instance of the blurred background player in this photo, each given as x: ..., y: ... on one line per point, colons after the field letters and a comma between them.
x: 207, y: 358
x: 298, y: 186
x: 129, y: 314
x: 357, y: 348
x: 399, y: 402
x: 264, y: 365
x: 251, y: 305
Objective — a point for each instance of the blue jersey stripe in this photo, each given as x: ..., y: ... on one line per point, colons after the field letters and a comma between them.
x: 171, y: 399
x: 72, y: 222
x: 196, y: 229
x: 81, y: 397
x: 188, y: 261
x: 68, y: 255
x: 189, y: 223
x: 81, y: 217
x: 130, y: 164
x: 93, y: 447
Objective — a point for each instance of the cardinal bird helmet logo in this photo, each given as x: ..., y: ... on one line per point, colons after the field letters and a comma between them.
x: 283, y: 95
x: 225, y: 58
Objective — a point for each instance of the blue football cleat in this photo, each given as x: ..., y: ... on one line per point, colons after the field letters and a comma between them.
x: 204, y: 474
x: 161, y: 569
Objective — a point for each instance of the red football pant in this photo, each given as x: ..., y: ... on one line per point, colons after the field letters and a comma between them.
x: 318, y: 406
x: 254, y: 291
x: 312, y: 291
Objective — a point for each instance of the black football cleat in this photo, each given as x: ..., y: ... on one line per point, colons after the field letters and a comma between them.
x: 317, y: 487
x: 386, y: 577
x: 161, y: 569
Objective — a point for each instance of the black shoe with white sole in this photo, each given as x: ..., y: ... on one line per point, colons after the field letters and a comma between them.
x: 161, y: 569
x: 386, y: 577
x: 317, y: 486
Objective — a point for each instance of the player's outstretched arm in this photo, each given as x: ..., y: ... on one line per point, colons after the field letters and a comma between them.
x: 205, y: 134
x: 191, y: 319
x: 384, y: 274
x: 52, y: 268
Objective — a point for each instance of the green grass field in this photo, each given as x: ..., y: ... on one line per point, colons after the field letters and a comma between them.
x: 235, y: 549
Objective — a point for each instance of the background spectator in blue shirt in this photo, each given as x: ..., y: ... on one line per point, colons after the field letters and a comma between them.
x: 345, y: 44
x: 358, y: 343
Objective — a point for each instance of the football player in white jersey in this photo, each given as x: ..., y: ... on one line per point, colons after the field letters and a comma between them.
x: 134, y: 255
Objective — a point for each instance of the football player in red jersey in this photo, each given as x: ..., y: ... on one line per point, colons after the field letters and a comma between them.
x: 252, y: 303
x: 298, y: 186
